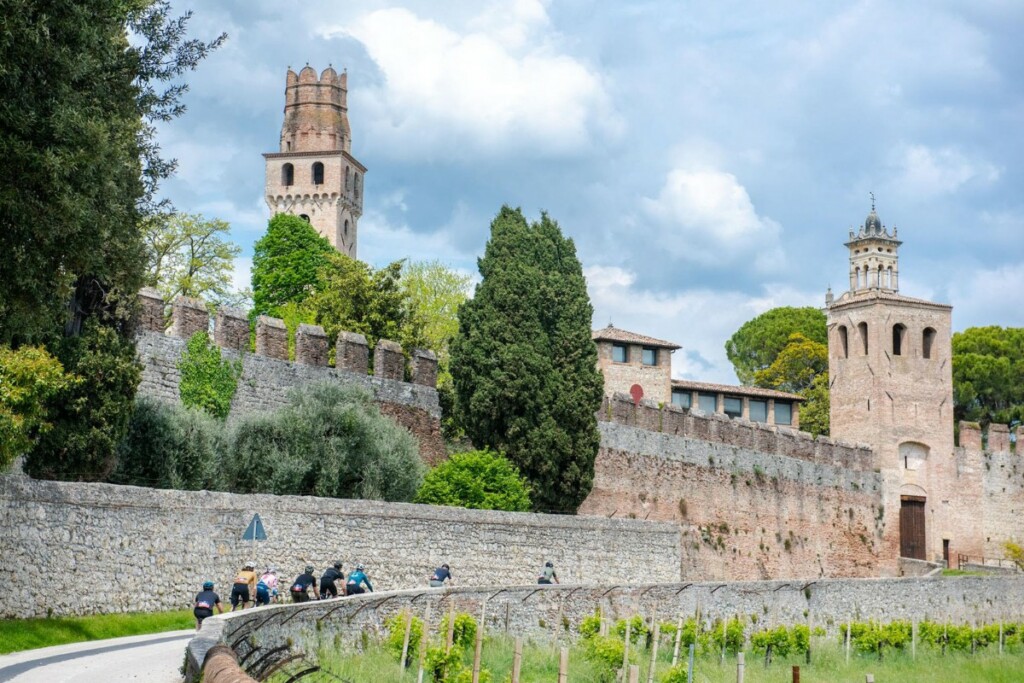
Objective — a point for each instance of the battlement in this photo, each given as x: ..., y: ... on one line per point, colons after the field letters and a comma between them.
x: 231, y: 331
x: 995, y: 439
x: 717, y: 428
x: 315, y: 112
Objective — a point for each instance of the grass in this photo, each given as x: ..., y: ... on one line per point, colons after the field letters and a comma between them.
x: 828, y: 663
x: 28, y: 634
x: 961, y: 572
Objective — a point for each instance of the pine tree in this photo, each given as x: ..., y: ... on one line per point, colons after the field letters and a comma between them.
x: 523, y: 363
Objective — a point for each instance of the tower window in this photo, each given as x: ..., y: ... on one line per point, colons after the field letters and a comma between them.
x: 649, y: 356
x: 619, y: 353
x: 355, y: 185
x: 348, y: 179
x: 863, y: 329
x: 927, y: 342
x: 287, y: 175
x: 844, y: 342
x: 346, y: 227
x: 318, y: 173
x: 899, y: 332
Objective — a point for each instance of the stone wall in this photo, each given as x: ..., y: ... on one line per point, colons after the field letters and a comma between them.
x: 990, y: 507
x: 121, y: 548
x: 744, y: 513
x: 556, y: 611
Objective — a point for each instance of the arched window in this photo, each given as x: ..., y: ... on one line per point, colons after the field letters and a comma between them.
x: 899, y: 332
x: 927, y: 341
x: 844, y: 341
x: 881, y: 275
x: 318, y: 173
x: 287, y: 175
x: 888, y: 278
x: 346, y: 227
x: 863, y: 329
x: 348, y: 179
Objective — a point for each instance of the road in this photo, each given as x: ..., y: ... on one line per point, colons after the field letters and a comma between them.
x: 156, y: 658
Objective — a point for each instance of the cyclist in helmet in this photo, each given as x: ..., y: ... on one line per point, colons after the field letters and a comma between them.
x: 440, y: 575
x: 303, y: 582
x: 205, y: 602
x: 327, y: 579
x: 244, y: 587
x: 353, y: 586
x: 266, y: 589
x: 548, y: 576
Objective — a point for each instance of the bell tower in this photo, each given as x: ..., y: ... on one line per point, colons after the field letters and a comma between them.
x: 314, y: 175
x: 874, y: 256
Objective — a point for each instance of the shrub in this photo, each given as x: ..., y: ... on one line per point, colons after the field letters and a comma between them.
x: 89, y: 417
x: 28, y: 376
x: 637, y: 630
x: 733, y: 636
x: 607, y: 653
x: 441, y: 666
x: 590, y: 626
x: 783, y: 641
x: 396, y: 636
x: 465, y: 629
x: 208, y: 381
x: 481, y: 480
x: 874, y: 638
x: 329, y: 441
x: 170, y: 447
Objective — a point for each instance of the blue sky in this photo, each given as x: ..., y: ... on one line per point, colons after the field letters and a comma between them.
x: 708, y: 159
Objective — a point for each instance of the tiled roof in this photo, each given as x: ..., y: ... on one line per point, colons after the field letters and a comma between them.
x: 733, y: 389
x: 873, y: 294
x: 614, y: 334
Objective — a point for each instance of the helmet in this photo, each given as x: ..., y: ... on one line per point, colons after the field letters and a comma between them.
x: 337, y: 565
x: 549, y: 564
x: 249, y: 565
x: 309, y: 569
x: 445, y: 565
x: 207, y: 585
x: 360, y: 567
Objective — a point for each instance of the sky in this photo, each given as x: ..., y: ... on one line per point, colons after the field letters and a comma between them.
x: 708, y: 159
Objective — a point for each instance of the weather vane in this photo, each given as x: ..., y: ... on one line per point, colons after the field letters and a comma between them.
x: 872, y: 200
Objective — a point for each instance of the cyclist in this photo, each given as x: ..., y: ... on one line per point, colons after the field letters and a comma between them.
x: 266, y: 589
x: 548, y: 576
x: 440, y: 575
x: 327, y: 579
x: 353, y: 586
x: 244, y: 586
x: 205, y: 602
x: 303, y: 582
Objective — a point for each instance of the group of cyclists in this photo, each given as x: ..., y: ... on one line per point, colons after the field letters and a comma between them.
x: 263, y: 589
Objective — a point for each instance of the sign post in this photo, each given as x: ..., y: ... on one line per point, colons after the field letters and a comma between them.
x: 255, y: 532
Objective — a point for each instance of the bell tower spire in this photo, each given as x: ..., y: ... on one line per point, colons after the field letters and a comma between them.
x: 874, y: 255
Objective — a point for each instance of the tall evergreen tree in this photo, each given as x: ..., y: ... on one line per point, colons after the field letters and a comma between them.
x: 523, y: 363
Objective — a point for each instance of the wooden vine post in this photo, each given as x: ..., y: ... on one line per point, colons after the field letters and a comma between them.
x: 654, y: 652
x: 479, y: 645
x: 679, y: 639
x: 517, y: 660
x: 451, y: 627
x: 625, y: 650
x: 563, y: 666
x: 405, y: 641
x: 423, y: 645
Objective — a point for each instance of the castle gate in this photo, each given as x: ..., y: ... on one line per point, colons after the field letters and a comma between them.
x: 912, y: 542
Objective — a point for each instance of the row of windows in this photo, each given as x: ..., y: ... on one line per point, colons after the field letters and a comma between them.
x: 648, y: 355
x: 899, y: 340
x: 316, y: 174
x: 733, y: 406
x: 883, y: 277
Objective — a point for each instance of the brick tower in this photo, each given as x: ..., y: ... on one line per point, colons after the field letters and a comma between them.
x: 314, y: 175
x: 891, y: 387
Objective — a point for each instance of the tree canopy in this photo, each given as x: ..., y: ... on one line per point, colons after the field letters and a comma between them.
x: 286, y: 263
x: 988, y: 374
x: 759, y: 341
x: 523, y: 363
x: 189, y: 255
x: 480, y: 480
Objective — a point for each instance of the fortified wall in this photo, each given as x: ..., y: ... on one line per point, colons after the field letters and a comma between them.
x: 125, y: 549
x: 268, y: 376
x: 753, y: 501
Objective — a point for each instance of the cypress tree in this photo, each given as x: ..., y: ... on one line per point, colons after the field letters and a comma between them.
x: 524, y: 365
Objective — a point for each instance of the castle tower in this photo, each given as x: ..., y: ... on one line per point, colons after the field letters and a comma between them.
x: 314, y: 175
x: 891, y: 388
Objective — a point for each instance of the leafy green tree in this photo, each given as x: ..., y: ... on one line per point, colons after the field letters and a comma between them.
x: 524, y: 365
x: 81, y: 164
x: 189, y: 255
x: 208, y: 381
x: 89, y: 416
x: 814, y: 413
x: 28, y: 377
x: 329, y: 441
x: 480, y: 480
x: 988, y: 374
x: 759, y: 341
x: 286, y: 263
x: 433, y: 293
x: 796, y: 366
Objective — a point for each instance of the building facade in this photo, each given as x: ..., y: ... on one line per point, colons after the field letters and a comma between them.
x: 314, y: 175
x: 635, y: 364
x: 755, y: 404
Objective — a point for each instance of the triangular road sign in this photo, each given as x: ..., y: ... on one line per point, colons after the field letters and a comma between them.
x: 255, y: 530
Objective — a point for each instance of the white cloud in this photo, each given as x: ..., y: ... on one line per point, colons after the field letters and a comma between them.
x: 980, y: 296
x: 706, y: 216
x: 381, y: 242
x: 500, y: 86
x: 924, y: 172
x: 241, y: 276
x: 700, y: 320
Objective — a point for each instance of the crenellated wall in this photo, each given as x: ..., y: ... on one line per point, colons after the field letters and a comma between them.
x: 268, y: 376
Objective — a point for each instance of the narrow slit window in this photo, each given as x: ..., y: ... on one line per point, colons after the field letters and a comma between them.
x: 927, y: 342
x: 899, y: 332
x: 863, y: 329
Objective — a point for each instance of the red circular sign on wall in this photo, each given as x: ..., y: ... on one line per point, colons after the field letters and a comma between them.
x: 637, y: 392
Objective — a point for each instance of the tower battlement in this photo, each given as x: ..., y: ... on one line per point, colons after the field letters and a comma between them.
x: 316, y: 111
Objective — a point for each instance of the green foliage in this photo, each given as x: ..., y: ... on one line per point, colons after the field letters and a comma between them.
x: 524, y: 365
x: 80, y: 159
x: 637, y: 629
x: 479, y: 480
x: 733, y: 636
x: 396, y: 636
x: 465, y: 629
x: 189, y: 255
x: 608, y: 653
x: 757, y: 344
x: 783, y: 641
x: 28, y: 634
x: 589, y: 626
x: 208, y: 381
x: 90, y: 416
x: 329, y: 441
x: 286, y: 263
x: 170, y: 447
x: 874, y: 638
x: 28, y: 377
x: 796, y: 366
x: 677, y: 674
x: 441, y: 666
x: 1014, y: 553
x: 814, y: 411
x: 988, y: 374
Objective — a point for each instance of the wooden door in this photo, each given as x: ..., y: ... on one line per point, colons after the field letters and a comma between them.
x: 912, y: 528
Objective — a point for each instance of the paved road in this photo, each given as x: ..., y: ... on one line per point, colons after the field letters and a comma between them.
x: 154, y: 658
